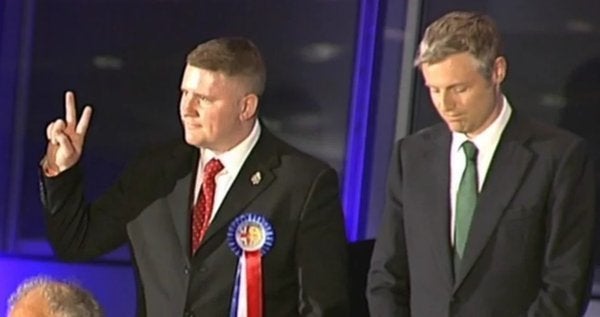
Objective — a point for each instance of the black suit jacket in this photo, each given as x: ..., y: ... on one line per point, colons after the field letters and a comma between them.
x: 304, y: 274
x: 529, y: 247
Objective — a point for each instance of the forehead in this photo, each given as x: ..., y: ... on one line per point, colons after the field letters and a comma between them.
x: 454, y: 69
x: 195, y: 78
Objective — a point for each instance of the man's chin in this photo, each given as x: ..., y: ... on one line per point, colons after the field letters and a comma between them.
x: 456, y: 128
x: 194, y: 141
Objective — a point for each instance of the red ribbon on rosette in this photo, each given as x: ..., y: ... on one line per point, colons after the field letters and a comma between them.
x: 250, y: 236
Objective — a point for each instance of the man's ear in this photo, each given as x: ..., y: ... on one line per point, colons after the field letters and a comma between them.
x: 499, y: 70
x: 249, y: 107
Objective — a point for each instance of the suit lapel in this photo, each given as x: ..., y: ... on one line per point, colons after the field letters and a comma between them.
x: 178, y: 201
x: 436, y: 162
x: 179, y: 207
x: 432, y: 159
x: 505, y: 175
x: 262, y: 159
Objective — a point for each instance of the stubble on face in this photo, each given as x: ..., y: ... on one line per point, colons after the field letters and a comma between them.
x: 466, y: 100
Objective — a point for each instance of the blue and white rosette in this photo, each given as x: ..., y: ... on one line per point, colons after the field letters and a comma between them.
x: 250, y: 236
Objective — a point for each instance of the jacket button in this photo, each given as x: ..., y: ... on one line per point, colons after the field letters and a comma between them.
x: 186, y: 270
x: 188, y: 314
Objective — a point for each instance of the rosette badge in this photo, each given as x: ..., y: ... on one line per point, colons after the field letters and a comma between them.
x: 250, y: 237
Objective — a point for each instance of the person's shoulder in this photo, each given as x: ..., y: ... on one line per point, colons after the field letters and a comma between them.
x: 174, y: 154
x: 550, y: 140
x: 166, y: 149
x: 544, y: 132
x: 425, y: 136
x: 294, y: 157
x: 155, y: 163
x: 430, y: 132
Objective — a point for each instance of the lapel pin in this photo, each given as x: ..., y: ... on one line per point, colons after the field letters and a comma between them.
x: 256, y: 178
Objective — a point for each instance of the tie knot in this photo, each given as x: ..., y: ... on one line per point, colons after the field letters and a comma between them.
x: 212, y: 168
x: 470, y: 150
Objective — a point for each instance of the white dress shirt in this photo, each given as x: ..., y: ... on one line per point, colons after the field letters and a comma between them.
x: 232, y: 161
x: 486, y: 143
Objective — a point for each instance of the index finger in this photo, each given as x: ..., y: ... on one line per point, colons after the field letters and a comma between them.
x: 70, y: 110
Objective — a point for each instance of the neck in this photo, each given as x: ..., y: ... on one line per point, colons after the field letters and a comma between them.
x: 244, y: 132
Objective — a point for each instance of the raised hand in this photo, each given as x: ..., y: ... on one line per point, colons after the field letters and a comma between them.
x: 65, y: 140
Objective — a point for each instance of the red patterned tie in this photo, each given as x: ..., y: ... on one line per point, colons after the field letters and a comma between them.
x: 204, y: 205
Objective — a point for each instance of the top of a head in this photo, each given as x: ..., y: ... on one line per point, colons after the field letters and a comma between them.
x: 234, y: 57
x: 54, y: 298
x: 459, y: 32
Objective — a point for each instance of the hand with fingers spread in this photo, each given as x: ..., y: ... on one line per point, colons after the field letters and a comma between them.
x: 65, y: 140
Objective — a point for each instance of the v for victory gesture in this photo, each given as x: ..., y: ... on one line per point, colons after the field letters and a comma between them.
x: 66, y: 138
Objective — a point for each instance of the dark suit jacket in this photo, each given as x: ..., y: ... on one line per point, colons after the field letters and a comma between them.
x: 529, y: 247
x: 305, y: 273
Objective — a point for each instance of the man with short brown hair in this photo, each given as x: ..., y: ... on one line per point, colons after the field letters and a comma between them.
x: 488, y: 213
x: 231, y: 222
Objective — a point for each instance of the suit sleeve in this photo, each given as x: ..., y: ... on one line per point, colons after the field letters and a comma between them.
x: 321, y: 251
x: 388, y: 286
x: 70, y: 222
x: 570, y: 227
x: 79, y: 230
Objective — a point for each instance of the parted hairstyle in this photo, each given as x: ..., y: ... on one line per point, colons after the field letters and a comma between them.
x: 458, y: 32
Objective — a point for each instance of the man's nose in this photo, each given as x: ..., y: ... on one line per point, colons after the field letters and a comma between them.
x: 447, y: 101
x: 186, y: 105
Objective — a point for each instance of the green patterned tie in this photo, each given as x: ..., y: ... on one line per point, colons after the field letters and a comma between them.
x: 466, y: 200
